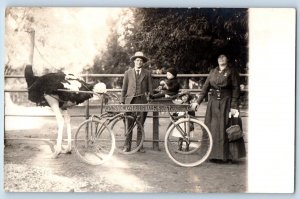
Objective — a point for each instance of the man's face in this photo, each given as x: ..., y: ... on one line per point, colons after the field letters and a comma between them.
x: 138, y: 63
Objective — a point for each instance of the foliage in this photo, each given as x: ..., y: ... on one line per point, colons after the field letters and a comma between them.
x: 189, y: 39
x: 74, y: 38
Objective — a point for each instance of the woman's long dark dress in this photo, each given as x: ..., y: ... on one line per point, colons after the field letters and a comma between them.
x: 216, y: 117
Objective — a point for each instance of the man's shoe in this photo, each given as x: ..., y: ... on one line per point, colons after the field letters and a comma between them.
x: 125, y: 149
x: 142, y: 150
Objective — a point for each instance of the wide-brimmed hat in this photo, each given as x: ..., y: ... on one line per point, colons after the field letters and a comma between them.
x: 139, y: 55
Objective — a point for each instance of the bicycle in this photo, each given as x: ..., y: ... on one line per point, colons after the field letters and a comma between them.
x: 97, y: 137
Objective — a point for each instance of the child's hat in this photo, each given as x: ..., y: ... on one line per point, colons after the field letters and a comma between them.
x: 173, y: 71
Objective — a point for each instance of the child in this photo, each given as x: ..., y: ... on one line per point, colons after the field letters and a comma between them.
x: 169, y: 87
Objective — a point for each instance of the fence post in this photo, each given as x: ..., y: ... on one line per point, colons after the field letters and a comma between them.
x: 87, y: 104
x: 32, y: 43
x: 155, y: 131
x: 87, y: 115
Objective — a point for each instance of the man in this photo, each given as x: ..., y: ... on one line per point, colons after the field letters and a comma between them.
x: 137, y: 81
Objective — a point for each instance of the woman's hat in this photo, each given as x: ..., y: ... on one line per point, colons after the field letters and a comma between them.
x: 139, y: 55
x: 173, y: 71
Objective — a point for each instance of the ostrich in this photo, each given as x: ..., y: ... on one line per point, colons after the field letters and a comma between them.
x: 43, y: 90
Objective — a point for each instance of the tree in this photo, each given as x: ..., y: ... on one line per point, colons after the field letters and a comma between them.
x: 189, y: 39
x: 114, y: 59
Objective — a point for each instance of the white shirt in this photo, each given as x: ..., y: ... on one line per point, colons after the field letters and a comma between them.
x: 138, y: 71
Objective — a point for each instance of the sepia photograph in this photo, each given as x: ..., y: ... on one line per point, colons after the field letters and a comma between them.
x: 128, y: 100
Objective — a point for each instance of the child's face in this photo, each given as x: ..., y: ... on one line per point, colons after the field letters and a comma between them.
x: 185, y: 98
x: 169, y: 75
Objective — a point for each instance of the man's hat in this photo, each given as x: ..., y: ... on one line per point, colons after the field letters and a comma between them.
x: 139, y: 55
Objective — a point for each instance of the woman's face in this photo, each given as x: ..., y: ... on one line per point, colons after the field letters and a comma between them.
x: 222, y: 60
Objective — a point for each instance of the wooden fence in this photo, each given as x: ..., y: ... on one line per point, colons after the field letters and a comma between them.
x: 155, y: 115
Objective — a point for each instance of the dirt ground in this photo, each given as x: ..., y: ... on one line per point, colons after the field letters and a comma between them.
x: 29, y: 168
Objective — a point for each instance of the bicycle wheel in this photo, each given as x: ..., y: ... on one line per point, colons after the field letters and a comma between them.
x: 94, y: 142
x: 188, y: 142
x: 120, y: 127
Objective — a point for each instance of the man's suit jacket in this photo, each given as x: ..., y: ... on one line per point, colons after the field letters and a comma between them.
x: 129, y: 85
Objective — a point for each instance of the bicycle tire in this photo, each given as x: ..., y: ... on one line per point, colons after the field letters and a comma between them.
x: 94, y: 142
x: 201, y: 141
x: 119, y: 127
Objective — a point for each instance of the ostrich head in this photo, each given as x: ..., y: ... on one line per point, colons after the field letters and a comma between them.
x: 100, y: 88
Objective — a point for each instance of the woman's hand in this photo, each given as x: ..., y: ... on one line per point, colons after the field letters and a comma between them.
x: 194, y: 106
x: 234, y: 112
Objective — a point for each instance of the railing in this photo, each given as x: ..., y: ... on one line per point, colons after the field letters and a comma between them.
x: 155, y: 115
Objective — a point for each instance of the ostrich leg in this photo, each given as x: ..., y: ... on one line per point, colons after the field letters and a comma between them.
x: 54, y: 104
x: 68, y: 123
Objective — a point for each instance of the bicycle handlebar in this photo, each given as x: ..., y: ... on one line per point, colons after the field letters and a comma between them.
x: 99, y: 95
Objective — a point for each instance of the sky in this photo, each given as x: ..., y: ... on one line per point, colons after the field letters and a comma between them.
x: 65, y: 38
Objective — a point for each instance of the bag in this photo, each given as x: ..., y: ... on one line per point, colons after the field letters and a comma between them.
x: 234, y: 131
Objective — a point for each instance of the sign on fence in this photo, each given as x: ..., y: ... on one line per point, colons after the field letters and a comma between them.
x: 146, y: 108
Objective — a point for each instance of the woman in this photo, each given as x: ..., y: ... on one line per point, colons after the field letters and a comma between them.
x: 223, y: 84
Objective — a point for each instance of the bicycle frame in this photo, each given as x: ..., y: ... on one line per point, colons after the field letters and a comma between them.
x: 109, y: 119
x: 183, y: 133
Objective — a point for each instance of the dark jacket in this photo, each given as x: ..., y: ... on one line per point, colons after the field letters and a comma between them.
x: 227, y: 80
x: 172, y: 86
x: 129, y: 85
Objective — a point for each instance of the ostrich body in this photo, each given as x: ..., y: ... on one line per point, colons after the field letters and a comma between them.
x: 43, y: 90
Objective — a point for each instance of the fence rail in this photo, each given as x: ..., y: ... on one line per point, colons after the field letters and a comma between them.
x: 118, y: 90
x: 122, y: 75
